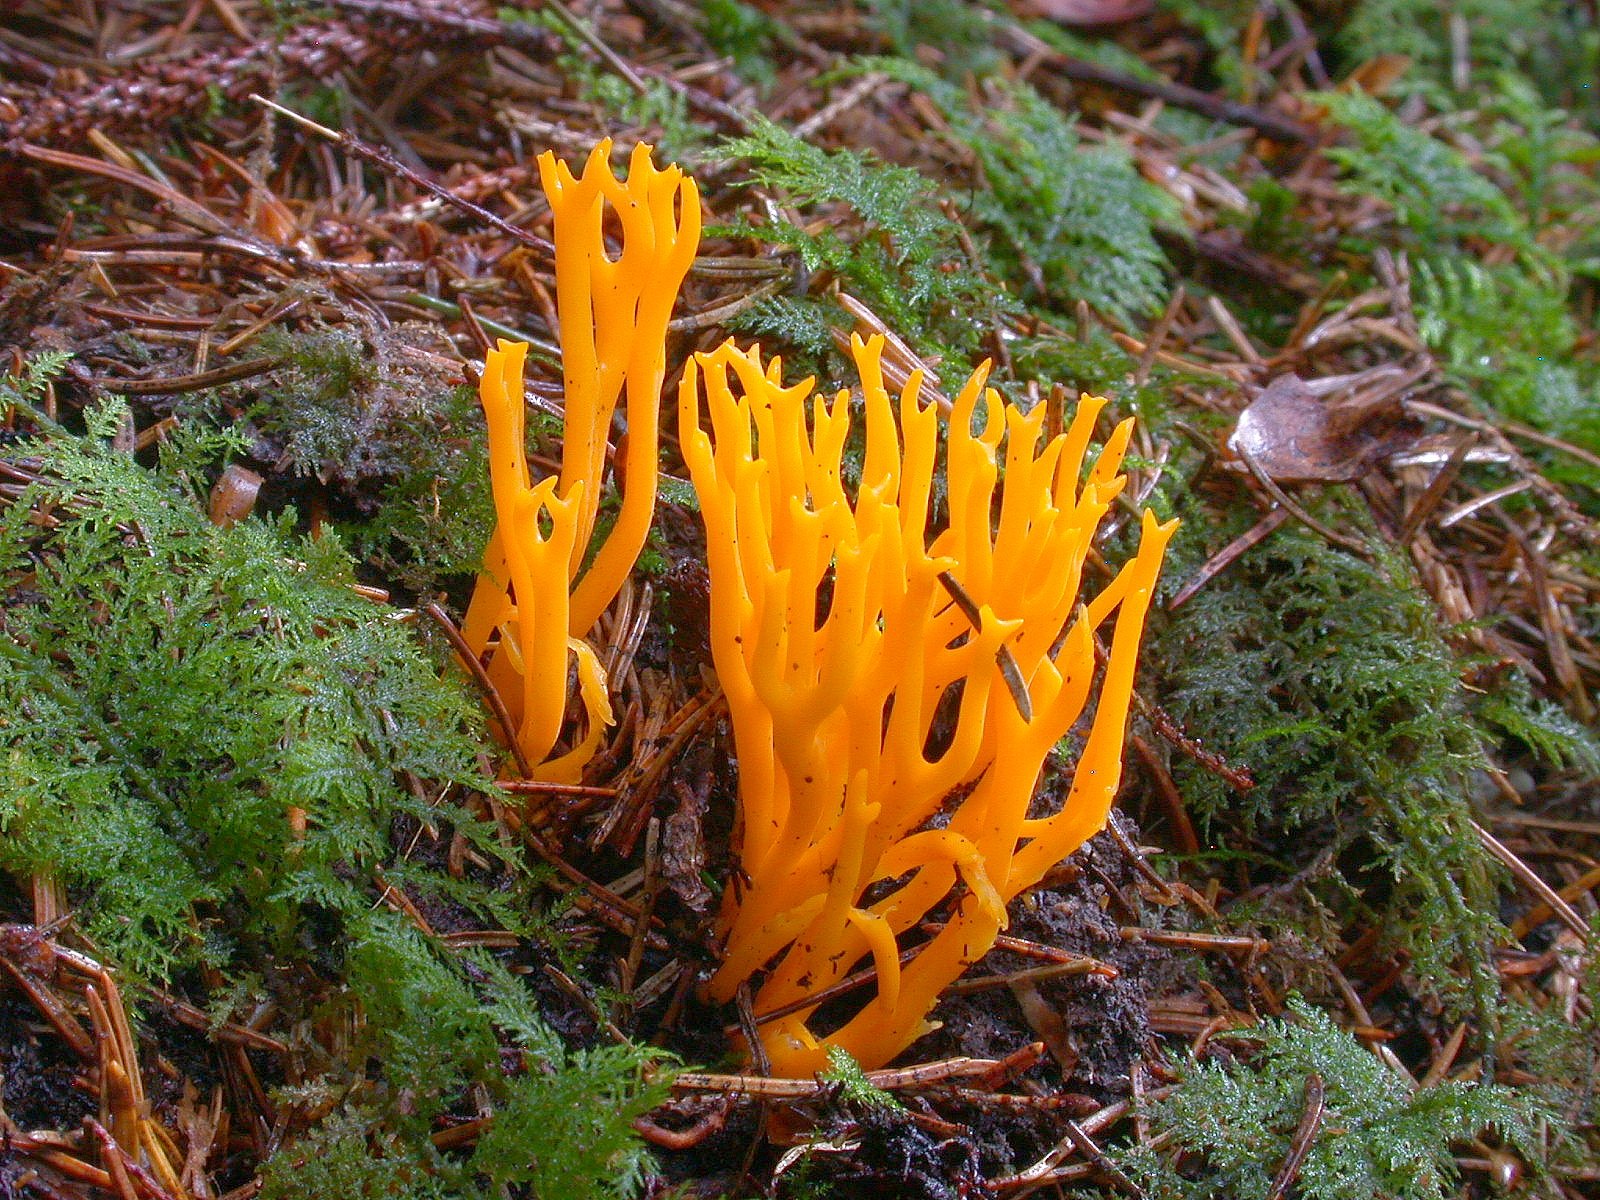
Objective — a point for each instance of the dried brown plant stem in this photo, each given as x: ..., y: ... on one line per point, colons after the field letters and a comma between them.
x: 888, y: 1080
x: 384, y: 159
x: 491, y: 694
x: 1530, y: 879
x: 1305, y: 1136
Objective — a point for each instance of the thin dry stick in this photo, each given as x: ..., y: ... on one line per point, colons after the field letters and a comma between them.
x: 1087, y: 1147
x: 752, y: 1035
x: 1530, y: 879
x: 891, y: 1079
x: 53, y: 1009
x: 1143, y: 869
x: 846, y: 100
x: 1273, y: 125
x: 385, y: 161
x: 983, y: 983
x: 1540, y: 913
x: 596, y: 43
x: 583, y: 1000
x: 723, y: 313
x: 1220, y: 943
x: 1254, y: 536
x: 177, y: 384
x: 469, y: 660
x: 1158, y: 335
x: 647, y: 904
x: 1239, y: 778
x: 1446, y: 1057
x: 1305, y: 1136
x: 641, y: 782
x: 1437, y: 487
x: 1016, y: 685
x: 1167, y: 791
x: 539, y: 787
x: 1052, y: 954
x: 1012, y: 1065
x: 848, y: 984
x: 1333, y: 537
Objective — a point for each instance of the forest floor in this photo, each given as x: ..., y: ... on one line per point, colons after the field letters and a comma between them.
x: 269, y: 925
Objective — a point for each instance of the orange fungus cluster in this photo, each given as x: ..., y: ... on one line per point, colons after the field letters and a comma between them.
x: 899, y: 656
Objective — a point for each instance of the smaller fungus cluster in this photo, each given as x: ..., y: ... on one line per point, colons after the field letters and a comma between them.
x: 534, y: 603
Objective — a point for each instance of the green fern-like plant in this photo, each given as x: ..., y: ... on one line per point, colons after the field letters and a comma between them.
x: 1378, y: 1136
x: 1506, y: 331
x: 1543, y: 727
x: 430, y: 1026
x: 565, y: 1128
x: 1559, y: 1043
x: 27, y: 389
x: 898, y: 253
x: 1078, y: 219
x: 957, y: 34
x: 747, y: 36
x: 1437, y: 194
x: 1545, y: 38
x: 1508, y: 337
x: 350, y: 1154
x: 174, y: 692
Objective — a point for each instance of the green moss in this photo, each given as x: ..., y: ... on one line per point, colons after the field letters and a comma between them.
x: 1559, y: 1043
x: 1437, y: 194
x: 1505, y: 331
x: 1328, y: 677
x: 175, y: 690
x: 1549, y: 40
x: 747, y: 36
x: 956, y: 34
x: 854, y: 1085
x: 210, y: 741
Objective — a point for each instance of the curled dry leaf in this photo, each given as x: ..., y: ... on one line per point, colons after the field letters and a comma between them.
x: 233, y: 496
x: 1046, y: 1022
x: 1292, y: 435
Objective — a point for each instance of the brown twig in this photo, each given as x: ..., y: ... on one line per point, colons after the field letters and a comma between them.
x: 491, y: 694
x: 1305, y: 1136
x: 383, y: 158
x: 1272, y: 124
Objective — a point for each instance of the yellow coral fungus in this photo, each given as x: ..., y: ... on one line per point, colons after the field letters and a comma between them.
x: 534, y: 605
x: 883, y: 756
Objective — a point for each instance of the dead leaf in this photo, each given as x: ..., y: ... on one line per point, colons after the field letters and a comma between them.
x: 1293, y: 436
x: 683, y: 847
x: 1376, y: 76
x: 1048, y: 1025
x: 1090, y: 12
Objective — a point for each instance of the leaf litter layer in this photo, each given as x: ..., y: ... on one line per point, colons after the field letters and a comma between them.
x: 268, y: 926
